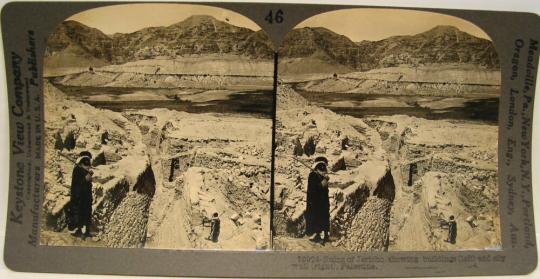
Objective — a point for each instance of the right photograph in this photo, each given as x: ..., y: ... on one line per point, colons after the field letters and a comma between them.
x: 386, y: 134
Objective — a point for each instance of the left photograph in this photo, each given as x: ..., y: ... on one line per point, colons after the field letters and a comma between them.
x: 158, y: 124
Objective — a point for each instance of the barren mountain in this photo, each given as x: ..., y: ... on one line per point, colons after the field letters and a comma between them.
x: 442, y: 44
x: 318, y: 49
x: 198, y: 34
x: 195, y: 35
x: 75, y: 44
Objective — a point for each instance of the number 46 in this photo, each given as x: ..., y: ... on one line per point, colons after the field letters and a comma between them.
x: 277, y: 17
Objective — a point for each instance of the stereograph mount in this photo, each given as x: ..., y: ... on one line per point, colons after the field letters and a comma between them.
x: 26, y: 27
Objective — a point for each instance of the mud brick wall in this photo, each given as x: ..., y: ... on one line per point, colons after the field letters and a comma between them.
x: 369, y: 229
x: 127, y: 228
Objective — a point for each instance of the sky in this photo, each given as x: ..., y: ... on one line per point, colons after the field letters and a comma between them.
x: 378, y: 24
x: 127, y: 18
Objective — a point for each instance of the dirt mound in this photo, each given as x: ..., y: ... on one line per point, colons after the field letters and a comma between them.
x: 287, y: 98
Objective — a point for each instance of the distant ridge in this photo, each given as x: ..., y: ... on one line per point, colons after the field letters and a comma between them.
x: 441, y: 44
x: 73, y: 43
x: 198, y: 34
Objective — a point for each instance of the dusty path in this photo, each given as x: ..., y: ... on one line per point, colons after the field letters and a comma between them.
x: 64, y: 238
x: 172, y: 231
x: 412, y: 236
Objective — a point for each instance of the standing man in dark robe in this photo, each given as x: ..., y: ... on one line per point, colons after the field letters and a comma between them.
x: 81, y: 195
x: 452, y: 230
x: 317, y: 214
x: 214, y: 227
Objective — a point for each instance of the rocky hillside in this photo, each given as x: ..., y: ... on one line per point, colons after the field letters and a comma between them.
x: 123, y: 183
x: 75, y: 44
x: 442, y: 44
x: 195, y: 35
x: 320, y: 48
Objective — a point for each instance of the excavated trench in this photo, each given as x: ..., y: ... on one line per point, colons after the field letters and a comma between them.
x: 434, y: 181
x: 197, y: 178
x: 206, y: 183
x: 413, y: 161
